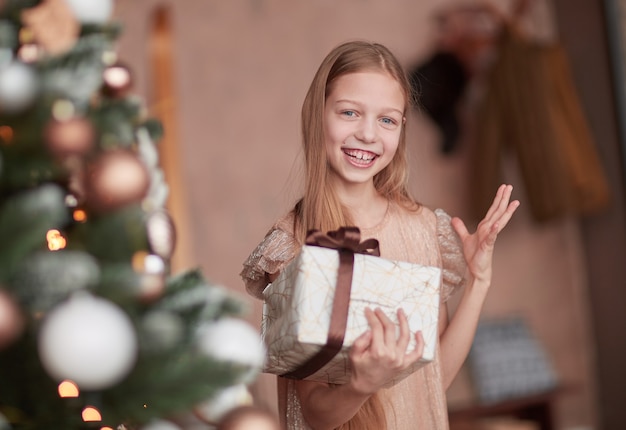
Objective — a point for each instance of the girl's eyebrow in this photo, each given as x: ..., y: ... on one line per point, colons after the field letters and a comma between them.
x: 401, y: 112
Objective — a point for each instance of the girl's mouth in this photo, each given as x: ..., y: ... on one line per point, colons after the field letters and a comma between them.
x: 358, y: 156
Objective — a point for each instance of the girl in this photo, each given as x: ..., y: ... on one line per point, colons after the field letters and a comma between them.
x: 353, y: 126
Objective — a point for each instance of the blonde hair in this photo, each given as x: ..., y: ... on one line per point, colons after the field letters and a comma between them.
x: 320, y: 208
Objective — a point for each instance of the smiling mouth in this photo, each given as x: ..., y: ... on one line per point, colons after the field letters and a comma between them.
x: 360, y: 157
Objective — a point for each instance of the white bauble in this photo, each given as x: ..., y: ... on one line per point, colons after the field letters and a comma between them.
x: 233, y: 340
x: 18, y: 87
x: 214, y: 409
x: 92, y: 11
x: 88, y: 340
x: 160, y: 425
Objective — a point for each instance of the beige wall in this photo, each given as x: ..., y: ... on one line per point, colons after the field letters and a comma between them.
x: 242, y: 69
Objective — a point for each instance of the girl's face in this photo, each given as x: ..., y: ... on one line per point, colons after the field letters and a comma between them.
x: 363, y: 118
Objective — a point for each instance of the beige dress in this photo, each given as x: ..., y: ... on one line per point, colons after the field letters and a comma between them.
x: 424, y: 237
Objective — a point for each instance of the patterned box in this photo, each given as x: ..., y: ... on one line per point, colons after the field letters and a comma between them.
x: 297, y: 308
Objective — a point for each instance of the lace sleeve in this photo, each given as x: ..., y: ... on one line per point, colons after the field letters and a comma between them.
x: 276, y: 250
x: 452, y: 259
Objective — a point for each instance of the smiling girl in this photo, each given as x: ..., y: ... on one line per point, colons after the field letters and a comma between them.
x: 353, y: 127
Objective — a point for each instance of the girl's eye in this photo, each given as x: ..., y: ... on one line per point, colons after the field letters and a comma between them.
x: 349, y: 113
x: 388, y: 121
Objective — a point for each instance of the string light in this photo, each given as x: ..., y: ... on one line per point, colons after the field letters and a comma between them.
x: 91, y: 414
x: 68, y: 389
x: 80, y: 215
x: 26, y: 35
x: 55, y: 240
x: 138, y: 261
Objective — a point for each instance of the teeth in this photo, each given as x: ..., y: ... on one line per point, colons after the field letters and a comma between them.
x: 361, y: 155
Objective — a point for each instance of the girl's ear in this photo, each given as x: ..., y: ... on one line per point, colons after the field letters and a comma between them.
x: 403, y: 120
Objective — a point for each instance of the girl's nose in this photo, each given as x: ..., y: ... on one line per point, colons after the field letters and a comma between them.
x: 366, y: 131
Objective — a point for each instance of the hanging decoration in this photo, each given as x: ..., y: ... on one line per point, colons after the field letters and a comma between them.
x: 531, y: 109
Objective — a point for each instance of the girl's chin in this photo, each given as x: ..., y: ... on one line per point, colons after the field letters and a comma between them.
x: 354, y: 179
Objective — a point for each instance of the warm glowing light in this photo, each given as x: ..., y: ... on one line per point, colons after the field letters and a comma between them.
x: 138, y: 261
x: 68, y: 389
x: 145, y: 406
x: 106, y: 428
x: 117, y: 75
x: 56, y: 240
x: 6, y: 133
x: 26, y: 35
x: 91, y: 414
x: 80, y: 215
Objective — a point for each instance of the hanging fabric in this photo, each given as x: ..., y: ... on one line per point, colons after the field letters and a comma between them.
x: 531, y: 110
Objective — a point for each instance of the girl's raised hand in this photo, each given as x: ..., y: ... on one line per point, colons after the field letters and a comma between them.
x: 379, y: 354
x: 478, y: 246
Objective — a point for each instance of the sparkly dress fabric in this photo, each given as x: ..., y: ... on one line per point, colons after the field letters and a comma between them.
x: 424, y: 237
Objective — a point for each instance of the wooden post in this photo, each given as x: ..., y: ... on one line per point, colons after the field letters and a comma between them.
x: 165, y: 109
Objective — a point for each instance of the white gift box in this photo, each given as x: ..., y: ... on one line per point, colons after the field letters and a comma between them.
x: 298, y: 304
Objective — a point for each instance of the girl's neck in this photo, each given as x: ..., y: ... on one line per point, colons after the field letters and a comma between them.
x: 369, y: 217
x: 367, y: 207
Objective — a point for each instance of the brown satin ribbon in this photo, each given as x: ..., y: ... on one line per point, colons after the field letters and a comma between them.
x: 346, y: 241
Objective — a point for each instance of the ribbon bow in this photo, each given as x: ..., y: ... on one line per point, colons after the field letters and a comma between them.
x: 348, y: 238
x: 347, y: 241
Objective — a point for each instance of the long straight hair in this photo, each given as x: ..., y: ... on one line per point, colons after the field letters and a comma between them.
x: 320, y: 208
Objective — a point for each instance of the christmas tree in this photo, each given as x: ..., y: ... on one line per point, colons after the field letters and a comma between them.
x: 95, y: 329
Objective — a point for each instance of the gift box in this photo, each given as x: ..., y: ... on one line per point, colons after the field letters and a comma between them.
x: 308, y: 327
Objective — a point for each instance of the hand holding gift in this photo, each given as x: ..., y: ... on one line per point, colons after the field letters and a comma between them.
x: 381, y: 353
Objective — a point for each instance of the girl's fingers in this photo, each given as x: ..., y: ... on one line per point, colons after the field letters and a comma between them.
x: 386, y: 330
x: 504, y: 201
x: 496, y: 202
x: 500, y: 203
x: 389, y: 328
x: 506, y: 216
x: 501, y: 210
x: 376, y: 327
x: 492, y: 235
x: 405, y: 332
x: 499, y: 214
x: 460, y: 228
x: 384, y: 339
x: 361, y: 343
x: 418, y: 351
